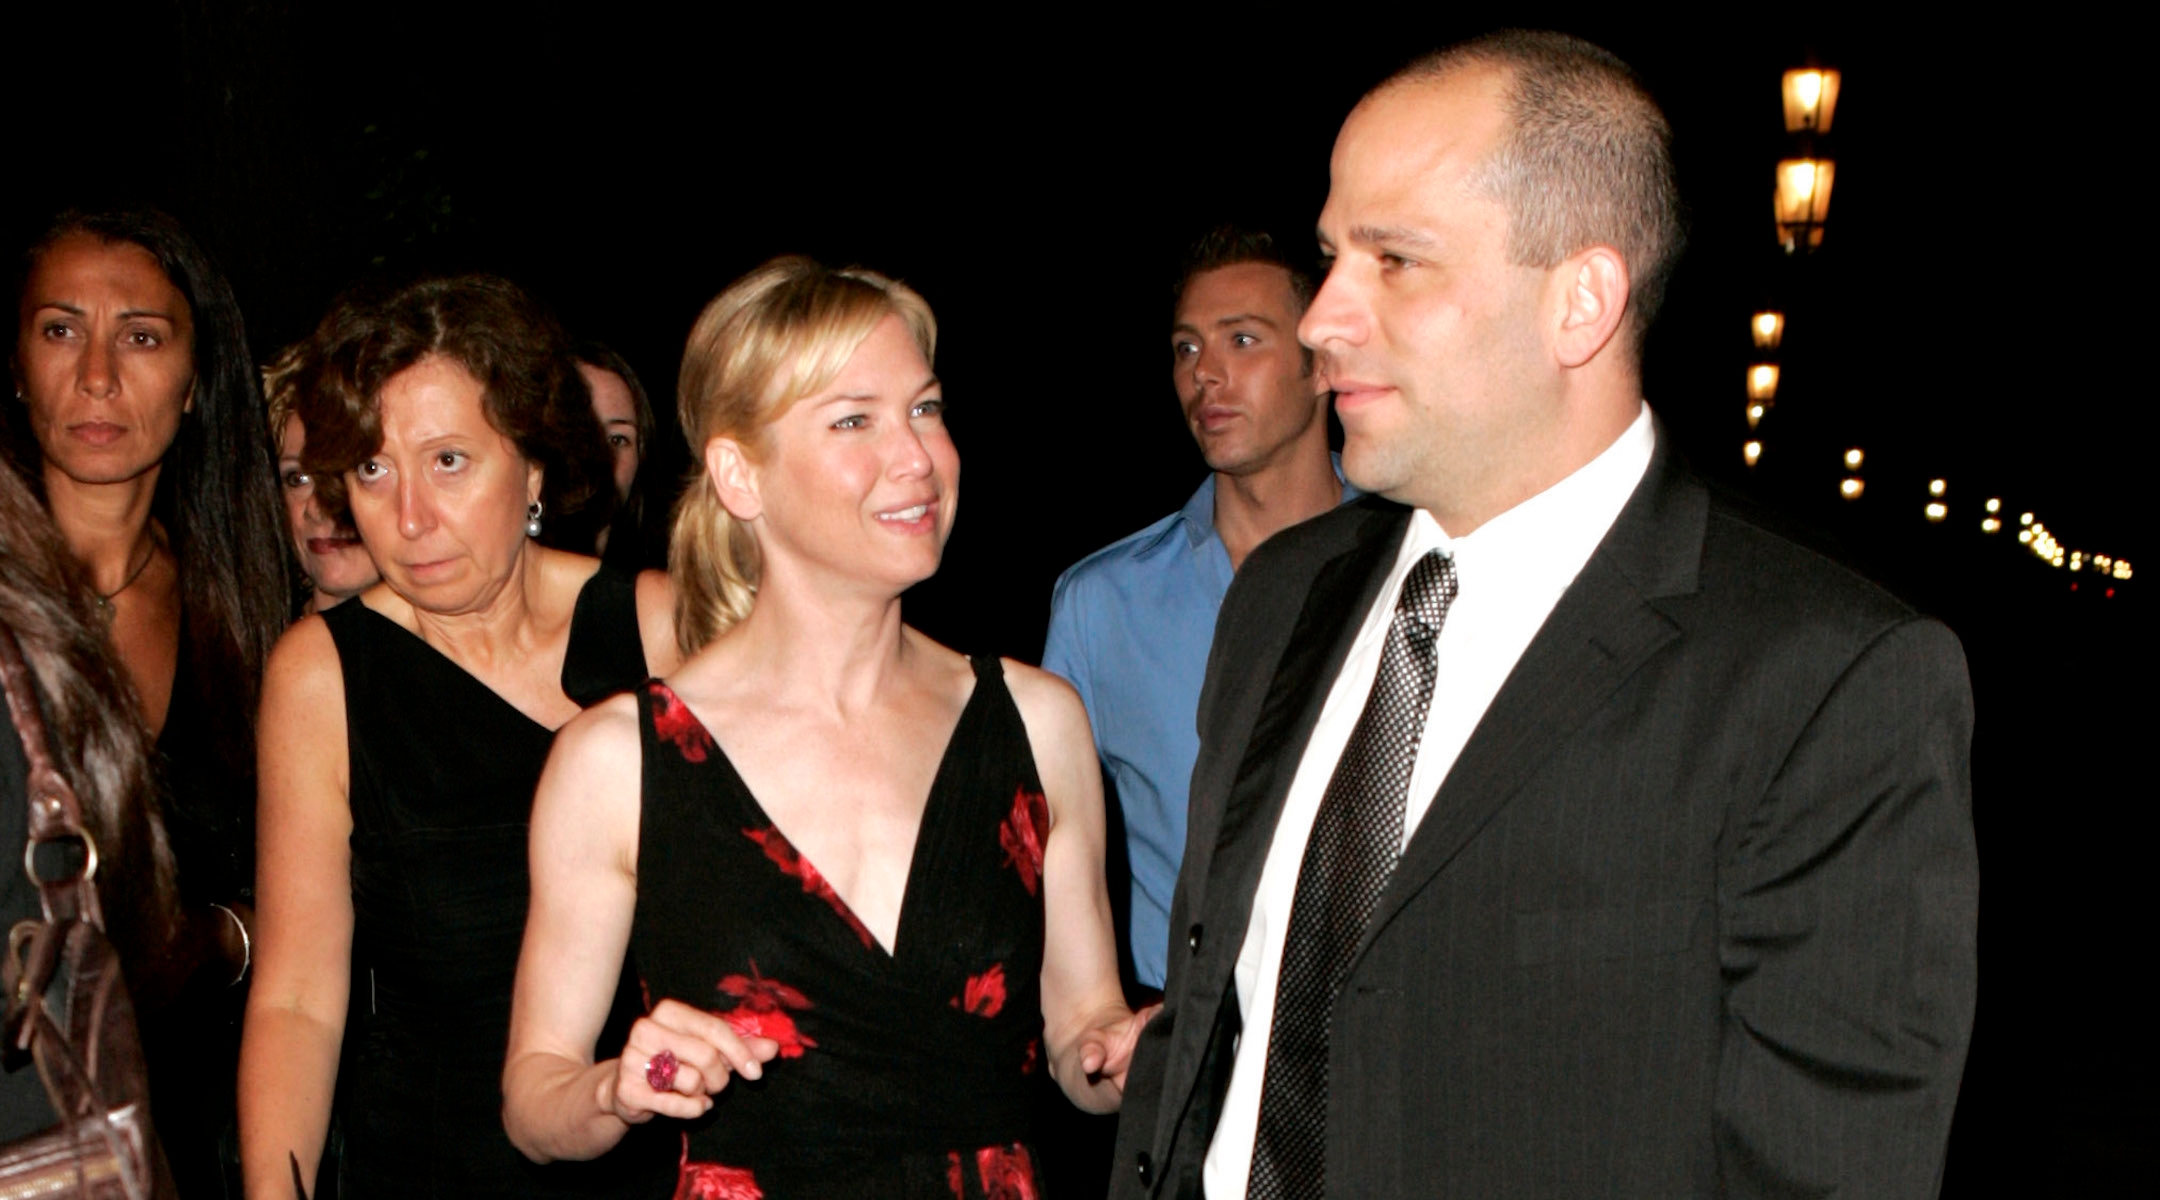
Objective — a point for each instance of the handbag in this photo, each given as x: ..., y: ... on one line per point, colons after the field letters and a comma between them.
x: 67, y: 1005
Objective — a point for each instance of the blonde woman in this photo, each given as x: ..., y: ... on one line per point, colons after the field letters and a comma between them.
x: 857, y: 870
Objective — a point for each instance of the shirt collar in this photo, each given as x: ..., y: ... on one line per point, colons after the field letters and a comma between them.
x: 1199, y: 512
x: 1547, y: 538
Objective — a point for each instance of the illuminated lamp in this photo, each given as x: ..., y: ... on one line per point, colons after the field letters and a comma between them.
x: 1803, y: 201
x: 1762, y: 382
x: 1768, y: 328
x: 1810, y: 99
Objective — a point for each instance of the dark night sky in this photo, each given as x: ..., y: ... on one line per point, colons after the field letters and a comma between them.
x: 1035, y: 180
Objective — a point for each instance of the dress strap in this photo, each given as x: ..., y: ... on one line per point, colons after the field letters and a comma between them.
x: 987, y: 666
x: 606, y: 653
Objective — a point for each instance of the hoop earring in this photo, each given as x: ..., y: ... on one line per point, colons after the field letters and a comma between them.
x: 532, y: 519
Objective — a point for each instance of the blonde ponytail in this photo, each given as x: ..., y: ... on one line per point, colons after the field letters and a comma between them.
x: 784, y: 331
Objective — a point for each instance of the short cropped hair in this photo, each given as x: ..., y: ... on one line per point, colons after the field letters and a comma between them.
x: 1587, y: 157
x: 530, y: 392
x: 1229, y: 245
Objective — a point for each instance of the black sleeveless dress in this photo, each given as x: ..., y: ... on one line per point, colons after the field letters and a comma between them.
x: 443, y: 774
x: 899, y: 1075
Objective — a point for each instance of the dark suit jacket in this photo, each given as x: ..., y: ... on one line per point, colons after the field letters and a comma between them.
x: 1692, y: 915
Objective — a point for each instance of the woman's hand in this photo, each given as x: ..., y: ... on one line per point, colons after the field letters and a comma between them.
x: 1106, y: 1048
x: 676, y: 1060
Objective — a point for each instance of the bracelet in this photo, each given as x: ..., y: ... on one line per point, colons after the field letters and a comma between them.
x: 247, y: 944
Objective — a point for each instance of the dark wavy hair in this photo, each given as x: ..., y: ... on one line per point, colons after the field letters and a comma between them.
x: 97, y: 733
x: 630, y: 529
x: 530, y: 391
x: 216, y: 495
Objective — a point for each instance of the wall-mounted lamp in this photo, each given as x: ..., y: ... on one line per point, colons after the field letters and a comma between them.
x: 1810, y: 100
x: 1803, y: 201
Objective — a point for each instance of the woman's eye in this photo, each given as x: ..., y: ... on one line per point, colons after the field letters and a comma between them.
x: 852, y: 422
x: 55, y: 330
x: 449, y: 460
x: 934, y: 406
x: 620, y: 441
x: 371, y: 470
x: 295, y: 480
x: 144, y: 338
x: 1183, y: 349
x: 1243, y: 339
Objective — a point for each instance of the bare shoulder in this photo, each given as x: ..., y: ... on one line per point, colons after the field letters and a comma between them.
x: 304, y: 669
x: 604, y: 736
x: 1058, y: 733
x: 656, y: 622
x: 1043, y: 698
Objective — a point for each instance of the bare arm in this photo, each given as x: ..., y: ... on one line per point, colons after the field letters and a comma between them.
x: 1088, y: 1031
x: 304, y: 914
x: 557, y: 1102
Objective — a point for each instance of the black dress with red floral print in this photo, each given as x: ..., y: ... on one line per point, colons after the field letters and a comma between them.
x: 905, y: 1073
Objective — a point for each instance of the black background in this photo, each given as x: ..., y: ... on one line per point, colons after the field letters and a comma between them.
x: 1034, y: 174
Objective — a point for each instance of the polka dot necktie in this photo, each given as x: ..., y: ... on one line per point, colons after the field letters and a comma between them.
x: 1356, y: 839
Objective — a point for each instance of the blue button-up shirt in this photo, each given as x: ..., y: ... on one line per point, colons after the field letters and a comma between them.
x: 1130, y: 627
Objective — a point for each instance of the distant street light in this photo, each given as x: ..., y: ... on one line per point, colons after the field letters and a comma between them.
x: 1810, y: 100
x: 1937, y: 510
x: 1751, y: 451
x: 1754, y: 415
x: 1852, y: 487
x: 1853, y: 459
x: 1762, y: 381
x: 1994, y: 505
x: 1768, y: 328
x: 1990, y: 525
x: 1803, y: 201
x: 1937, y: 487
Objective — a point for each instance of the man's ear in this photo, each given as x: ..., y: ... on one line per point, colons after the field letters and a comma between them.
x: 1593, y: 300
x: 734, y: 478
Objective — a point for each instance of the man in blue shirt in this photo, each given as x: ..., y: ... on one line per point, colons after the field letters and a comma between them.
x: 1131, y: 623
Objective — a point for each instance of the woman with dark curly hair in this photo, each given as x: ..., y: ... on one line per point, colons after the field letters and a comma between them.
x: 138, y: 421
x: 403, y: 735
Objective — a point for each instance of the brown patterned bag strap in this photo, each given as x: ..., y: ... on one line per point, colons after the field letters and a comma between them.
x: 55, y: 815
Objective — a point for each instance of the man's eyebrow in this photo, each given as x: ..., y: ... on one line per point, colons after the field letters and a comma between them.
x: 1249, y: 318
x: 1399, y: 235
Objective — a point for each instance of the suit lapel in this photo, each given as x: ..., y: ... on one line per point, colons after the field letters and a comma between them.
x: 1341, y: 591
x: 1602, y: 630
x: 1335, y: 605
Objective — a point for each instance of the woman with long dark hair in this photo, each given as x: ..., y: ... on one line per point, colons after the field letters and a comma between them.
x: 138, y: 419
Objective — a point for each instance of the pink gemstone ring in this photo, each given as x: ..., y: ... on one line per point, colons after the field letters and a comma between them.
x: 660, y: 1071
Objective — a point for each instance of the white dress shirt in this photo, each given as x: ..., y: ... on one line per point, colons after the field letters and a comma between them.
x: 1510, y: 572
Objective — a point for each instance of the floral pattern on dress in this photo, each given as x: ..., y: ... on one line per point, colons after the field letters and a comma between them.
x: 1034, y: 1053
x: 674, y: 722
x: 762, y: 1011
x: 711, y: 1181
x: 955, y: 1175
x: 785, y: 856
x: 984, y: 995
x: 1022, y: 835
x: 1007, y: 1173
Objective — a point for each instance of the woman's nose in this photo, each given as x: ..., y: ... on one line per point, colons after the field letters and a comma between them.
x: 94, y: 370
x: 415, y: 515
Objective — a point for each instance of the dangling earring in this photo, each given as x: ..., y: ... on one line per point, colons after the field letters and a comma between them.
x: 532, y: 519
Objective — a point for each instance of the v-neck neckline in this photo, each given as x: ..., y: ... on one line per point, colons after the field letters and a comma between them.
x: 886, y: 954
x: 457, y: 668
